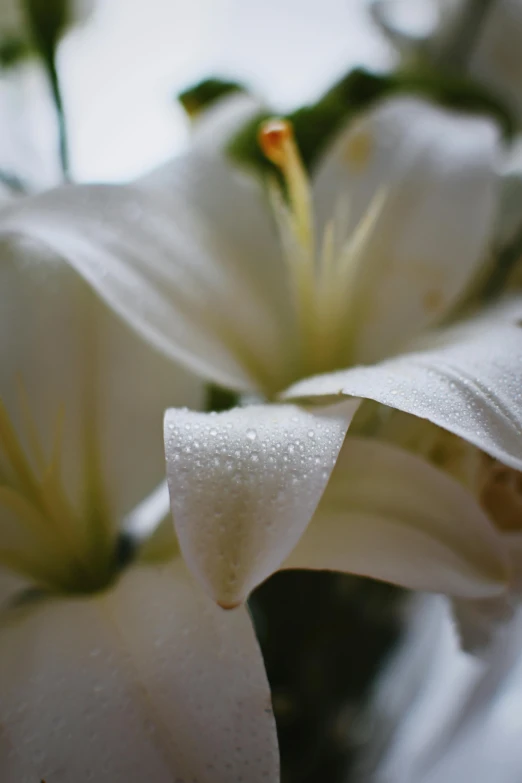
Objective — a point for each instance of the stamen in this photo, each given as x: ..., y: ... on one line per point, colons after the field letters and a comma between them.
x: 55, y: 461
x: 29, y: 424
x: 329, y: 280
x: 33, y: 492
x: 276, y: 139
x: 15, y: 456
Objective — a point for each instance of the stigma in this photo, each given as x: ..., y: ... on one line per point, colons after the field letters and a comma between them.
x: 276, y: 139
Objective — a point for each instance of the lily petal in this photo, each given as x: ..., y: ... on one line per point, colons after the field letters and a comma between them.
x: 72, y: 377
x: 392, y: 516
x: 469, y: 384
x: 439, y: 169
x: 187, y: 256
x: 150, y: 681
x: 244, y: 485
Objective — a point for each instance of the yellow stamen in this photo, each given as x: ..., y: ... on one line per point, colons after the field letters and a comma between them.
x: 276, y: 138
x: 22, y: 509
x: 55, y: 461
x: 15, y: 455
x: 328, y: 279
x: 32, y: 490
x: 29, y: 424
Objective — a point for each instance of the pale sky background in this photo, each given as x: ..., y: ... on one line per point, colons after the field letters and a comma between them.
x: 121, y: 70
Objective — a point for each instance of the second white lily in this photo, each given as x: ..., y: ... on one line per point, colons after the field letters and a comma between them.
x: 104, y: 675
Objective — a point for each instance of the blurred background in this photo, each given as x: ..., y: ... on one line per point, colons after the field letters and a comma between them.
x: 121, y: 68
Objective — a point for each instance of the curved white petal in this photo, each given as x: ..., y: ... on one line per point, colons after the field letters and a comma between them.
x: 81, y: 391
x: 150, y: 681
x: 231, y: 205
x: 389, y: 515
x: 432, y: 234
x: 188, y: 256
x: 128, y: 244
x: 15, y: 764
x: 471, y: 386
x: 244, y: 485
x: 498, y: 682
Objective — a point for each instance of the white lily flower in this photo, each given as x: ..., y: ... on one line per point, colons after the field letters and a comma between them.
x: 103, y: 677
x: 343, y: 273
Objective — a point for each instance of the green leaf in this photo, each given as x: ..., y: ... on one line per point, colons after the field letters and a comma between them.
x: 205, y: 93
x: 48, y: 21
x: 220, y: 399
x: 316, y: 124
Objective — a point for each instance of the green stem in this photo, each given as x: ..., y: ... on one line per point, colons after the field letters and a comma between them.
x: 49, y: 59
x: 48, y: 20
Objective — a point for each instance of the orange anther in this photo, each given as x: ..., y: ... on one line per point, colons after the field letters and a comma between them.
x: 274, y: 137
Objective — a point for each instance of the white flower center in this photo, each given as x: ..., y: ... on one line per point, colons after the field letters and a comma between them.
x: 45, y: 538
x: 324, y: 272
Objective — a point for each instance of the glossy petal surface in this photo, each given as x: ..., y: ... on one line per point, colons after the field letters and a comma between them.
x: 148, y: 682
x: 244, y: 485
x: 389, y: 515
x: 438, y: 169
x: 469, y: 384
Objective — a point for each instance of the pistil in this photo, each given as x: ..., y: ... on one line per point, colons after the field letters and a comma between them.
x: 328, y: 279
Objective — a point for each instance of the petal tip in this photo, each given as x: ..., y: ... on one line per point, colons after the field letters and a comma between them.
x: 228, y: 606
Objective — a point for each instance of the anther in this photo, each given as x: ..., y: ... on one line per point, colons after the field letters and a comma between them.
x: 276, y: 139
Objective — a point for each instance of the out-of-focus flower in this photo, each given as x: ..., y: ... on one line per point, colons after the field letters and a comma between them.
x: 106, y: 676
x: 443, y: 715
x: 337, y: 274
x: 479, y: 39
x: 496, y: 487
